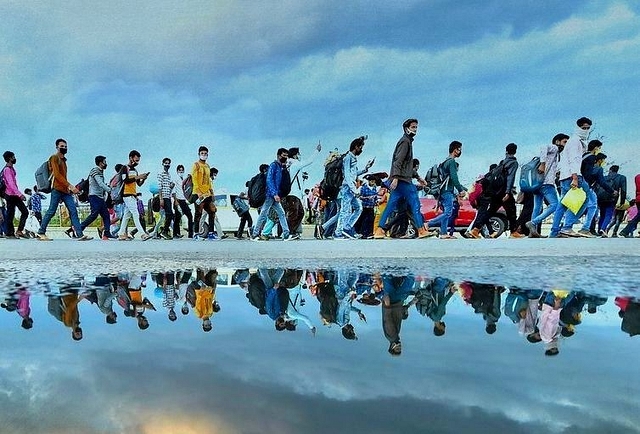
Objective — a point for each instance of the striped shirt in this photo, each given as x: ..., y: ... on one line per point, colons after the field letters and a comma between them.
x: 164, y: 182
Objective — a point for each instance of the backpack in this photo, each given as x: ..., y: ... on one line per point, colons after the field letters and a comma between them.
x: 117, y: 186
x: 44, y: 178
x: 285, y: 183
x: 3, y: 184
x: 257, y: 293
x: 333, y: 176
x: 514, y: 304
x: 475, y: 193
x: 436, y: 180
x: 83, y: 186
x: 530, y: 179
x: 328, y: 301
x: 257, y: 190
x: 602, y: 194
x: 494, y: 183
x: 187, y: 187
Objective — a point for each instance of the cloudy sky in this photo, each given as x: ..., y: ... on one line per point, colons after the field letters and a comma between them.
x: 248, y: 77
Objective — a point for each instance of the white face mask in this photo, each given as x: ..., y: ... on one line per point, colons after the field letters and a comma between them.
x: 203, y: 157
x: 583, y: 134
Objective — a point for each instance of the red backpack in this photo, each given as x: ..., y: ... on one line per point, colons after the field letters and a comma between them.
x: 475, y: 194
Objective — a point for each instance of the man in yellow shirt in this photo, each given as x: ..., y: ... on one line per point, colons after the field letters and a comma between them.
x: 202, y: 191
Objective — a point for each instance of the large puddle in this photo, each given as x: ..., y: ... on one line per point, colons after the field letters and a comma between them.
x: 312, y: 350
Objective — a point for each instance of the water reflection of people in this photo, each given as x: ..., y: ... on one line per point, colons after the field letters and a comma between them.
x: 292, y: 280
x: 485, y: 300
x: 201, y: 294
x: 630, y: 314
x: 131, y: 298
x: 431, y: 301
x: 396, y: 289
x: 64, y: 308
x: 18, y: 299
x: 166, y: 289
x: 103, y: 295
x: 336, y: 294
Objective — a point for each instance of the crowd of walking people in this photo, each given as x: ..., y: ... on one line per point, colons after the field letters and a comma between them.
x: 564, y: 184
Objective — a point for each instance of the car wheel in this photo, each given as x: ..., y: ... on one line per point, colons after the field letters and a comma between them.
x: 497, y: 225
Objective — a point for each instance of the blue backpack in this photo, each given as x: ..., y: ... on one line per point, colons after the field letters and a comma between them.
x: 513, y: 305
x: 530, y: 179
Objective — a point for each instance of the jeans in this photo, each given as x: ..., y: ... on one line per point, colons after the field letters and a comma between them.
x: 549, y: 193
x: 98, y: 207
x: 631, y: 226
x: 590, y: 205
x: 446, y: 199
x: 54, y: 200
x: 14, y: 202
x: 350, y: 210
x: 130, y: 212
x: 606, y: 215
x: 168, y: 213
x: 185, y: 210
x: 270, y: 202
x: 409, y: 192
x: 561, y: 210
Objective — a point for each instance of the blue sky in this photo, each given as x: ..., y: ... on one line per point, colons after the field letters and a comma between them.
x: 246, y: 78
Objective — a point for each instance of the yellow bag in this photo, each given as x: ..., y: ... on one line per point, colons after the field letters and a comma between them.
x: 574, y: 199
x: 625, y: 206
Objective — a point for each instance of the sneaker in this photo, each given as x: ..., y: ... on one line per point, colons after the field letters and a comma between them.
x: 349, y: 234
x: 165, y: 235
x: 291, y: 237
x: 568, y: 233
x: 133, y: 233
x: 43, y: 237
x: 585, y: 233
x: 224, y: 236
x: 69, y: 233
x: 145, y: 237
x: 212, y: 236
x: 123, y: 238
x: 448, y: 237
x: 84, y: 238
x: 379, y: 233
x: 533, y: 230
x: 603, y: 234
x: 21, y: 234
x: 339, y: 237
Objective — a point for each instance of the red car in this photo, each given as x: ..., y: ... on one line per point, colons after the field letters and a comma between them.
x: 429, y: 209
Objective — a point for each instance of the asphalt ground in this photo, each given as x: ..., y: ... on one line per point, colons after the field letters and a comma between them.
x: 606, y: 265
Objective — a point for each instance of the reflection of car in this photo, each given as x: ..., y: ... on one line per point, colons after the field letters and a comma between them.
x: 429, y: 209
x: 466, y: 215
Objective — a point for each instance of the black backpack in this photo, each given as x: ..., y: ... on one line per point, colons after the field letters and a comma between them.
x: 328, y: 301
x: 83, y: 186
x: 257, y: 190
x: 257, y: 293
x: 333, y: 177
x: 603, y: 195
x: 494, y: 183
x: 285, y: 183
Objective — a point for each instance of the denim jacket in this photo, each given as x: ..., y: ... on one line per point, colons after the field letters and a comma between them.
x: 350, y: 171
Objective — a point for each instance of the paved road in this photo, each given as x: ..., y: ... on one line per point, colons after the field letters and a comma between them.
x: 604, y: 264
